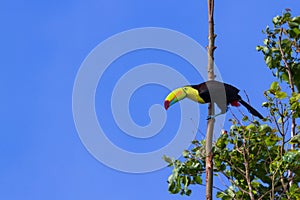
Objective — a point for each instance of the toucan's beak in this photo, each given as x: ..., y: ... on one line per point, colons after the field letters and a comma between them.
x: 174, y: 96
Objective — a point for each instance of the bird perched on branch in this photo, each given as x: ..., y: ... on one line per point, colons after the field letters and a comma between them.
x: 211, y: 91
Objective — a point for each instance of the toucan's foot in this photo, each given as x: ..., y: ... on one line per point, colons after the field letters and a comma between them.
x: 210, y: 117
x: 213, y: 116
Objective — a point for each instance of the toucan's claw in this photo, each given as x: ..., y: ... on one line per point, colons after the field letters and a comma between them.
x: 209, y: 117
x: 213, y: 116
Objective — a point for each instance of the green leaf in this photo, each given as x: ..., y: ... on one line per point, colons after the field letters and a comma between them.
x: 265, y: 104
x: 167, y: 159
x: 268, y: 61
x: 172, y: 187
x: 290, y: 156
x: 274, y: 86
x: 198, y: 180
x: 185, y: 153
x: 285, y: 76
x: 293, y: 24
x: 245, y: 118
x: 231, y: 191
x: 186, y: 181
x: 255, y: 184
x: 296, y: 20
x: 188, y: 192
x: 279, y: 121
x: 272, y: 140
x: 294, y: 33
x: 286, y: 43
x: 286, y: 16
x: 280, y: 95
x: 295, y: 139
x: 259, y: 48
x: 195, y: 142
x: 297, y: 31
x: 220, y: 194
x: 265, y: 128
x: 251, y: 127
x: 276, y: 20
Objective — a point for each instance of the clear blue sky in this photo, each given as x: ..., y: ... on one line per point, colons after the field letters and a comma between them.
x: 43, y: 44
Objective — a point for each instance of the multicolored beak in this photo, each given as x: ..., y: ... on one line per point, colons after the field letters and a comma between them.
x: 176, y: 95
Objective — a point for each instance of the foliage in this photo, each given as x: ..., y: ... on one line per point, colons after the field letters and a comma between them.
x: 185, y: 173
x: 282, y: 47
x: 260, y: 160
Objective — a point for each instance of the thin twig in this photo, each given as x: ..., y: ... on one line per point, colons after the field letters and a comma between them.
x: 247, y: 170
x: 289, y: 71
x: 291, y: 82
x: 215, y: 187
x: 248, y: 100
x: 235, y: 117
x: 233, y: 183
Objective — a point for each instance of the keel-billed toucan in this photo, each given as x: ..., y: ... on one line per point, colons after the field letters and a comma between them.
x: 211, y: 91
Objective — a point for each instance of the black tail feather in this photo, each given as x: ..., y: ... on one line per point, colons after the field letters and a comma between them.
x: 251, y: 109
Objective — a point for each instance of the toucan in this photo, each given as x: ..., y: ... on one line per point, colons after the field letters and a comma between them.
x: 210, y: 91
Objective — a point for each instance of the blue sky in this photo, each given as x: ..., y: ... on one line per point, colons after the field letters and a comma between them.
x: 43, y: 44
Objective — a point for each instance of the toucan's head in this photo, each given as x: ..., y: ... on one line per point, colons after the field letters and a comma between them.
x: 181, y: 93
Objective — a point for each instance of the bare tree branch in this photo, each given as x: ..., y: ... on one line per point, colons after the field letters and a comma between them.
x: 210, y: 124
